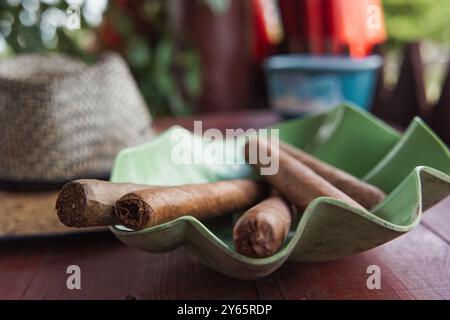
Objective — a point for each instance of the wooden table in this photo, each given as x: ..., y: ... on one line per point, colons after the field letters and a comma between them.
x: 414, y: 266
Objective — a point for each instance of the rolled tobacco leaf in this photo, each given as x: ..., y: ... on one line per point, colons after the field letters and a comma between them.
x: 294, y: 180
x: 149, y: 207
x: 90, y: 203
x: 261, y: 231
x: 365, y: 194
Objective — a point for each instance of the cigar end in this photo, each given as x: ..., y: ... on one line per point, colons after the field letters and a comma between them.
x: 258, y: 238
x: 71, y: 205
x: 133, y: 212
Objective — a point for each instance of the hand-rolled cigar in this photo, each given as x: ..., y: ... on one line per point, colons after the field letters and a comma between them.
x: 296, y: 181
x: 365, y: 194
x: 90, y: 203
x: 149, y: 207
x: 261, y: 231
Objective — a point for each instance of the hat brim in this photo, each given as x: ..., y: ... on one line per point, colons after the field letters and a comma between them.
x: 32, y: 214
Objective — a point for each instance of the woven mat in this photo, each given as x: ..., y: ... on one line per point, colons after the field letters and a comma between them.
x: 31, y: 214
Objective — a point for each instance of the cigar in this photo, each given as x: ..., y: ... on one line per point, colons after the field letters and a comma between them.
x: 149, y: 207
x: 294, y: 180
x: 261, y: 231
x: 365, y: 194
x: 90, y: 203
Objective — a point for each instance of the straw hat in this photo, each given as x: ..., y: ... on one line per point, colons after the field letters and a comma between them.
x: 61, y: 120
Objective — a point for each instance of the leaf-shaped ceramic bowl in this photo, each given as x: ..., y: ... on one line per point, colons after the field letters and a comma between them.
x: 412, y: 168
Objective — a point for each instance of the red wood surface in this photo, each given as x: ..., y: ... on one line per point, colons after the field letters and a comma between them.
x: 414, y: 266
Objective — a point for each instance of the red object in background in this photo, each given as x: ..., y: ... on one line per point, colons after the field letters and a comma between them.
x: 333, y: 26
x: 312, y: 12
x: 331, y: 43
x: 293, y: 27
x: 261, y: 44
x: 108, y: 36
x: 267, y: 28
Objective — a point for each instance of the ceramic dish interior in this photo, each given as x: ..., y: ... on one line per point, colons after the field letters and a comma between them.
x: 411, y: 167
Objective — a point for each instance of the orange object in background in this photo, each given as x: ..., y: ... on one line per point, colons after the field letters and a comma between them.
x: 375, y: 34
x: 359, y: 25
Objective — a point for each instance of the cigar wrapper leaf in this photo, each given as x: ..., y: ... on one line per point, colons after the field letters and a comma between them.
x: 365, y: 194
x: 90, y: 203
x: 150, y: 207
x: 294, y: 180
x: 261, y: 230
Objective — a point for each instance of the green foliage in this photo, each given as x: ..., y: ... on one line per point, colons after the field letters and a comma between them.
x: 21, y: 38
x: 408, y: 20
x: 167, y: 71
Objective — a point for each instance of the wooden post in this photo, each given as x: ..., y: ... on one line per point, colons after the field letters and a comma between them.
x: 223, y: 42
x: 408, y: 99
x: 441, y: 113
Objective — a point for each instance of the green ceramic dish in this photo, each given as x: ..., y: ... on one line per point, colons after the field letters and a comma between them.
x: 412, y: 168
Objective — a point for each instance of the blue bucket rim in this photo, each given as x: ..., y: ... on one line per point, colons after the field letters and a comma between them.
x: 295, y: 62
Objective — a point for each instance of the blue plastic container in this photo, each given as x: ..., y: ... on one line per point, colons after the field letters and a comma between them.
x: 302, y: 84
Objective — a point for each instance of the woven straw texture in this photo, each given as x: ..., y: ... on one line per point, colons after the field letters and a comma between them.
x: 61, y: 119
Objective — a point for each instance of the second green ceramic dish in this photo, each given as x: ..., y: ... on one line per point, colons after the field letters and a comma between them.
x: 412, y: 168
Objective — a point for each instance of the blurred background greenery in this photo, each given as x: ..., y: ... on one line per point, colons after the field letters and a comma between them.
x: 424, y: 20
x: 408, y: 20
x: 167, y: 71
